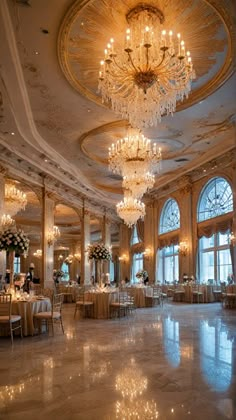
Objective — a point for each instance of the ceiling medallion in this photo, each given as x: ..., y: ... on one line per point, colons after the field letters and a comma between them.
x: 153, y: 71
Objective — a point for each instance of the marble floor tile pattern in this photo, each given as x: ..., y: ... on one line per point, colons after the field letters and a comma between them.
x: 175, y: 362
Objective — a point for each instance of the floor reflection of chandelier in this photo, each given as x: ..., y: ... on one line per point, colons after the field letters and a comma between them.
x: 15, y: 200
x: 144, y: 79
x: 130, y: 210
x: 131, y: 383
x: 134, y: 410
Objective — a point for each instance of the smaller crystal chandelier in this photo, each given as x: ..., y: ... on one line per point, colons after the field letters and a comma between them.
x: 53, y: 235
x: 15, y: 200
x: 135, y: 159
x: 138, y: 185
x: 130, y: 210
x: 7, y: 222
x: 145, y: 78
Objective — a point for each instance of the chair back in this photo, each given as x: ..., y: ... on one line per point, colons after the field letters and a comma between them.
x: 57, y: 302
x: 156, y: 291
x: 47, y: 292
x: 5, y: 304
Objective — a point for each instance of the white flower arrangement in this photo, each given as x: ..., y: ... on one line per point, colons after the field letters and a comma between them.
x: 142, y: 274
x: 14, y: 240
x: 98, y: 252
x: 58, y: 273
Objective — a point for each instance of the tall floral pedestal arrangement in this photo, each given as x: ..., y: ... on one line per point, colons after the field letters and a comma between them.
x: 99, y: 253
x: 13, y: 241
x: 142, y: 275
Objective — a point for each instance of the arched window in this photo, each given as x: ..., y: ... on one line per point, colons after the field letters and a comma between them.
x: 170, y: 217
x: 214, y: 260
x: 168, y: 257
x: 216, y: 199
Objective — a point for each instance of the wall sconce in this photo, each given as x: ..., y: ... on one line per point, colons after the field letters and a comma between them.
x: 183, y: 248
x: 60, y: 258
x: 78, y: 257
x: 147, y: 253
x: 53, y: 235
x: 232, y: 239
x: 38, y: 253
x: 69, y: 259
x: 123, y: 258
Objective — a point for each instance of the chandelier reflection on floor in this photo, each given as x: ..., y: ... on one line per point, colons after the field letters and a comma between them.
x: 15, y: 200
x: 145, y: 79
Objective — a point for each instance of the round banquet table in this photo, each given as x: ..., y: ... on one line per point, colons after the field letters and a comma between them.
x: 102, y: 301
x: 67, y: 291
x: 27, y: 309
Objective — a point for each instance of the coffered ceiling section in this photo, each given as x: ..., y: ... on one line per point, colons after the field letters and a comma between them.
x: 58, y: 45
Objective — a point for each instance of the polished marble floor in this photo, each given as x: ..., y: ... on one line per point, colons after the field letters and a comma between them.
x: 178, y: 362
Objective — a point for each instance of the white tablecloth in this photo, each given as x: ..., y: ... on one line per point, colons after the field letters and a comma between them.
x: 27, y: 310
x: 101, y: 302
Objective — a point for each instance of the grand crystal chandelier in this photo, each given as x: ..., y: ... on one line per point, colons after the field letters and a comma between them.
x: 145, y: 79
x: 136, y: 160
x: 15, y: 199
x: 130, y: 210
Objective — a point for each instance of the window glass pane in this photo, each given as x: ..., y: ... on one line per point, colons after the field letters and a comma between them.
x: 134, y: 237
x: 207, y: 242
x: 207, y: 266
x: 176, y: 268
x: 224, y: 268
x: 17, y: 265
x: 216, y: 199
x: 136, y: 266
x: 168, y: 264
x: 170, y: 217
x: 223, y: 238
x: 65, y: 269
x: 214, y: 258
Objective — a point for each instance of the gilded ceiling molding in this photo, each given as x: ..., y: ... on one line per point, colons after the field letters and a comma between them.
x: 106, y: 128
x: 88, y: 25
x: 3, y: 170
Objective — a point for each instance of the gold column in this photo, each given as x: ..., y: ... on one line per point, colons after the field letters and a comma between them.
x: 85, y: 241
x: 48, y: 205
x: 2, y: 209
